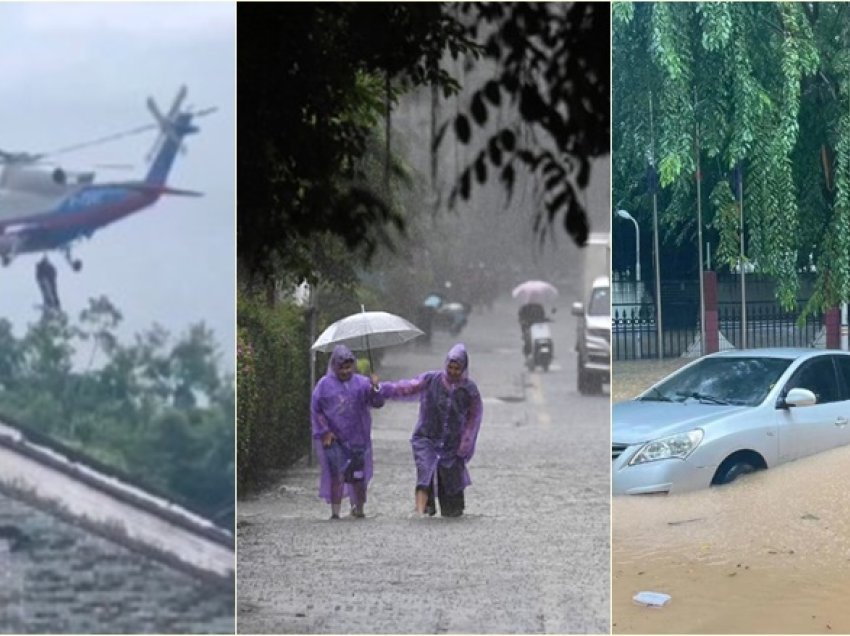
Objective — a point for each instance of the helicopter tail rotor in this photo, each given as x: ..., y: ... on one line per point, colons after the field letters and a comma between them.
x: 166, y: 122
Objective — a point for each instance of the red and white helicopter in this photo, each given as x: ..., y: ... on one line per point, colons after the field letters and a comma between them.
x: 45, y: 208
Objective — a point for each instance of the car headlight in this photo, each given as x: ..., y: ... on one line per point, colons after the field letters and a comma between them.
x: 674, y: 447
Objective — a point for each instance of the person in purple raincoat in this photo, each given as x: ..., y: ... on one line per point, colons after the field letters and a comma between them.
x: 450, y: 411
x: 342, y: 431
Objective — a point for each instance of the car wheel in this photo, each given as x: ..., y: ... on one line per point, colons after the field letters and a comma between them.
x: 732, y: 468
x: 583, y: 378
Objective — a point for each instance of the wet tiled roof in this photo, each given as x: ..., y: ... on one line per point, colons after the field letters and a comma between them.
x: 57, y: 578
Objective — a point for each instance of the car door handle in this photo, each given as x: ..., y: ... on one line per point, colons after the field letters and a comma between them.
x: 841, y: 422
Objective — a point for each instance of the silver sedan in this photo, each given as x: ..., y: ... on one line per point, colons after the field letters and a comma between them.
x: 728, y: 414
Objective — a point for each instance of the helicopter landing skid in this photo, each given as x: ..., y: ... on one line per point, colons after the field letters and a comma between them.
x: 75, y: 263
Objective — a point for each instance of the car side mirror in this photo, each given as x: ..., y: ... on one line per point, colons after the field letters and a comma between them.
x: 578, y: 309
x: 798, y: 397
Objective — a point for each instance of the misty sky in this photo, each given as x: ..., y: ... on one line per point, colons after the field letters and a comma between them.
x: 74, y: 72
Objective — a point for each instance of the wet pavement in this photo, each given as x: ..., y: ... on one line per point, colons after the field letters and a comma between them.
x: 56, y: 578
x: 530, y: 555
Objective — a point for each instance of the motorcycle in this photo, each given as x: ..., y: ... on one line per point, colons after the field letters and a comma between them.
x: 538, y: 347
x: 542, y: 349
x: 440, y: 314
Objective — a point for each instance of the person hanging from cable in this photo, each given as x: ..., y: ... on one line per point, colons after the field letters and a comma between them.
x: 45, y: 274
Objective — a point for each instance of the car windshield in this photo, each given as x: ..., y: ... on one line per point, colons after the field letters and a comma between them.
x: 599, y: 303
x: 740, y: 381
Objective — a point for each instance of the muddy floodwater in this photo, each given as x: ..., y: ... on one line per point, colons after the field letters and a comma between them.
x: 767, y: 554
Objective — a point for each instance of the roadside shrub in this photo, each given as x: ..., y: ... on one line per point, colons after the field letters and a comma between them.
x: 246, y: 390
x: 275, y: 424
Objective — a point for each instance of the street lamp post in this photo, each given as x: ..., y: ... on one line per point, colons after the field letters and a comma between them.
x: 625, y: 215
x: 656, y: 257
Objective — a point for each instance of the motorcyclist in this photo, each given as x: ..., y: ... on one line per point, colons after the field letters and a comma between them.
x: 439, y: 313
x: 529, y: 314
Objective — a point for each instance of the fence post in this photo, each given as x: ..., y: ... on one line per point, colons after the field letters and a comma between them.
x: 832, y: 321
x: 712, y: 329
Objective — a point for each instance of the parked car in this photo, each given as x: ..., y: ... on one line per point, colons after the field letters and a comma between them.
x: 593, y: 338
x: 729, y: 414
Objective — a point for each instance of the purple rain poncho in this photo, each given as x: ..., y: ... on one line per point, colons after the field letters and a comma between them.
x: 343, y: 409
x: 449, y: 418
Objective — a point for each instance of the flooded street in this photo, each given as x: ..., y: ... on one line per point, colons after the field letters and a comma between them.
x: 530, y: 554
x: 768, y: 554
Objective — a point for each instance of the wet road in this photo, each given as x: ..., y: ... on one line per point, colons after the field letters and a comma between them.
x: 531, y: 554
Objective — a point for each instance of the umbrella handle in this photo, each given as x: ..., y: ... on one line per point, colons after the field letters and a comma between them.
x: 368, y: 348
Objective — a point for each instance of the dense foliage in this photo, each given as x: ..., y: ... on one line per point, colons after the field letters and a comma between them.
x: 248, y: 402
x: 315, y: 81
x: 756, y: 94
x: 550, y: 94
x: 273, y: 369
x: 159, y: 411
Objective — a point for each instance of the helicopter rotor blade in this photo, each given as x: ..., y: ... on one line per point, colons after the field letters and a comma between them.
x: 102, y: 140
x: 20, y: 157
x: 205, y: 111
x: 157, y: 115
x: 113, y: 166
x: 178, y: 100
x: 164, y: 123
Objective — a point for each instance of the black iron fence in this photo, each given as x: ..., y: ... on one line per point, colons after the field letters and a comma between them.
x: 770, y: 326
x: 634, y: 334
x: 635, y: 330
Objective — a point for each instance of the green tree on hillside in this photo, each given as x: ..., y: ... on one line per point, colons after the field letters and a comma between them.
x: 157, y: 410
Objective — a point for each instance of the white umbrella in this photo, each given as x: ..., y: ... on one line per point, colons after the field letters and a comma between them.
x: 367, y: 330
x: 535, y: 291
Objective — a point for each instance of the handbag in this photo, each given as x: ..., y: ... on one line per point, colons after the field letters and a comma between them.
x: 355, y: 470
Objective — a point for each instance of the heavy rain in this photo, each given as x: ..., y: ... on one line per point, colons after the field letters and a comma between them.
x: 527, y: 548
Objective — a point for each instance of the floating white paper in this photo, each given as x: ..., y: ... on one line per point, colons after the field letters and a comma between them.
x: 651, y: 599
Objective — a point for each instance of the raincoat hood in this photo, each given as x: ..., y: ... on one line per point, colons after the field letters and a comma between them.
x: 458, y: 354
x: 341, y: 354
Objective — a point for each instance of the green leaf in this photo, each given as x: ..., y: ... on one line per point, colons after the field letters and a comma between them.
x: 478, y: 109
x: 493, y: 92
x: 481, y: 168
x: 508, y: 139
x: 462, y: 130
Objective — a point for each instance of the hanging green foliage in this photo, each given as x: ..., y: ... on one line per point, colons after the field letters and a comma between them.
x: 762, y: 88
